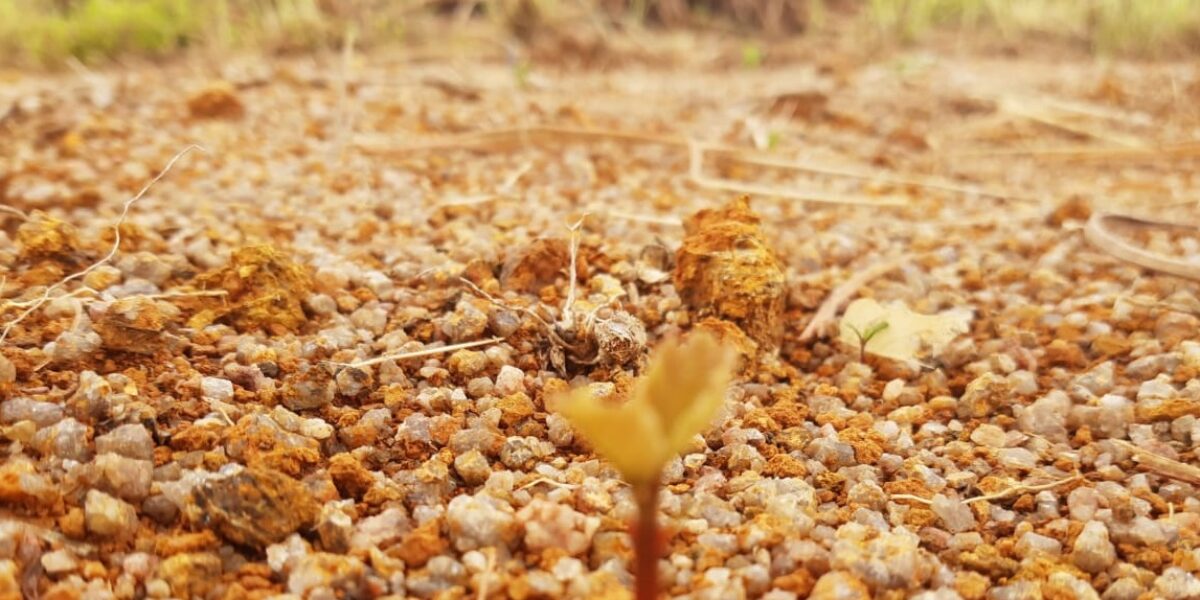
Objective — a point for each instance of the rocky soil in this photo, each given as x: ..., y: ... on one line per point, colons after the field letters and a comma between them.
x: 319, y: 357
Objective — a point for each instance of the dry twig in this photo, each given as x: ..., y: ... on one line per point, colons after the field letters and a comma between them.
x: 826, y: 315
x: 1162, y: 465
x: 417, y: 353
x: 697, y: 175
x: 1122, y: 153
x: 1096, y: 234
x: 1022, y: 488
x: 508, y: 137
x: 546, y: 480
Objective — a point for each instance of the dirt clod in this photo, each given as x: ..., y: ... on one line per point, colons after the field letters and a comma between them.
x: 726, y: 268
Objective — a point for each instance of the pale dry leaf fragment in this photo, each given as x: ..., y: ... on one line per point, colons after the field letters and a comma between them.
x: 679, y: 396
x: 898, y: 332
x: 1168, y: 467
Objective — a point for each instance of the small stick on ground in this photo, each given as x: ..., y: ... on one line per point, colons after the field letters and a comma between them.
x: 182, y: 294
x: 12, y: 210
x: 1098, y: 236
x: 874, y: 175
x: 568, y: 319
x: 697, y: 176
x: 516, y: 136
x: 1022, y: 488
x: 417, y: 353
x: 116, y: 246
x: 1002, y: 494
x: 1158, y: 153
x: 654, y: 219
x: 1040, y: 113
x: 548, y: 327
x: 1162, y: 465
x: 485, y: 577
x: 912, y: 498
x: 826, y: 317
x: 546, y: 480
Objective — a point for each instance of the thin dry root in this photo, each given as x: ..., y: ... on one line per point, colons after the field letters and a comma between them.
x: 417, y: 353
x: 549, y: 328
x: 1022, y: 488
x: 697, y: 175
x: 1183, y: 150
x: 546, y: 480
x: 1101, y: 238
x: 912, y: 498
x: 568, y: 320
x: 1002, y: 494
x: 516, y: 136
x: 47, y: 295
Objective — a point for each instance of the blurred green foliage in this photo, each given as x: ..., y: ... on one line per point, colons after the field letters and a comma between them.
x: 48, y: 32
x: 1108, y: 26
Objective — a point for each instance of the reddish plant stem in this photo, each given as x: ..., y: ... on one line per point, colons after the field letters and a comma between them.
x: 646, y: 543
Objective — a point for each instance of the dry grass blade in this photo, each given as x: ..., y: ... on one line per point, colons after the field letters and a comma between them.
x: 1100, y: 237
x: 510, y: 137
x: 1162, y: 465
x: 116, y: 245
x: 14, y: 211
x: 550, y: 482
x: 826, y: 317
x: 912, y: 498
x: 1098, y: 153
x: 417, y: 353
x: 1022, y: 488
x: 653, y: 219
x: 696, y: 174
x: 875, y: 175
x: 1046, y: 116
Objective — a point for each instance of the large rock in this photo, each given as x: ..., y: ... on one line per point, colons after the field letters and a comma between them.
x: 256, y: 507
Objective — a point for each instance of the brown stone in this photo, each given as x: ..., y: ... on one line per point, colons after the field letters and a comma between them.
x: 515, y: 408
x: 191, y: 575
x: 421, y: 544
x: 137, y: 325
x: 186, y: 543
x: 256, y: 507
x: 351, y: 478
x: 218, y: 100
x: 535, y: 264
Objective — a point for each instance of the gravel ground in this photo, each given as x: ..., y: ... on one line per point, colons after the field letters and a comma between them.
x: 214, y: 410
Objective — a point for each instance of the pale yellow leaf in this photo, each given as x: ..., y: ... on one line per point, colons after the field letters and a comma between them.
x: 682, y: 391
x: 628, y: 435
x: 907, y: 335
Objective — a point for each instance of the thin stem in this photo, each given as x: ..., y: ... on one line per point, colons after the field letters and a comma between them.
x: 646, y: 546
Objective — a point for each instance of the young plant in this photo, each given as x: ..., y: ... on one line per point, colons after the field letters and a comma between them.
x: 678, y: 397
x: 896, y: 332
x: 865, y: 335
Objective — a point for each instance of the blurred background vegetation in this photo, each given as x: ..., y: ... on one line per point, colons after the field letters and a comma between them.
x: 50, y: 32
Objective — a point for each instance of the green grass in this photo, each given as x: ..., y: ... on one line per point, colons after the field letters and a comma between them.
x: 1108, y: 26
x: 49, y: 32
x: 94, y: 29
